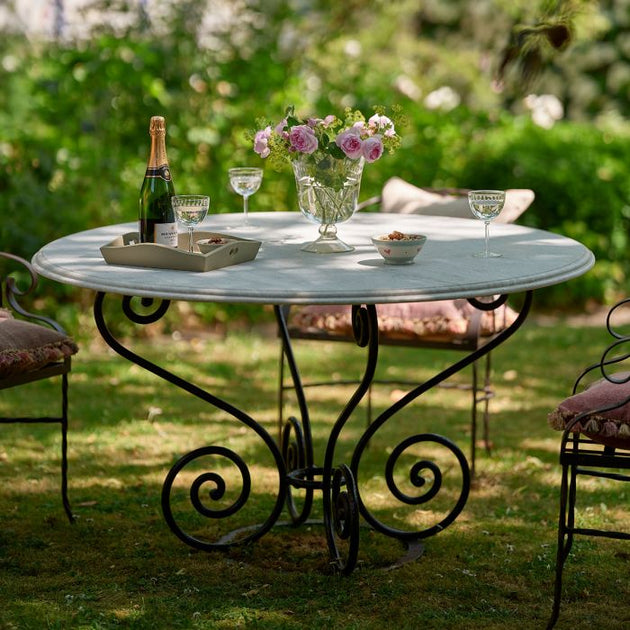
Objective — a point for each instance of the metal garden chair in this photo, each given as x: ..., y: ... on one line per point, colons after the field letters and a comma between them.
x: 32, y: 348
x: 595, y: 442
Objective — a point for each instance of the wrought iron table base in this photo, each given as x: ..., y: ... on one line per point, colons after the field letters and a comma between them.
x: 412, y: 550
x: 342, y: 502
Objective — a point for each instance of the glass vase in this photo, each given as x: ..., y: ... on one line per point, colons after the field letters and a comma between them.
x: 328, y: 193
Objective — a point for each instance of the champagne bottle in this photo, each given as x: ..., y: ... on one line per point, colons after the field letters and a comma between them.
x: 157, y: 222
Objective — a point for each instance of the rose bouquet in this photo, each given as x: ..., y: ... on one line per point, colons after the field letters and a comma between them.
x: 327, y: 156
x: 352, y: 137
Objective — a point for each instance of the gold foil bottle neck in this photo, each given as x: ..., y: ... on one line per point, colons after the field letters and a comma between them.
x: 157, y: 126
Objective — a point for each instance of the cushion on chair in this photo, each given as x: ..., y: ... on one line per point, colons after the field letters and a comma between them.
x: 608, y: 427
x: 402, y: 197
x: 25, y: 346
x: 443, y: 320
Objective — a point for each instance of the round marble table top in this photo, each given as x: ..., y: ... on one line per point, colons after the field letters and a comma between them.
x: 283, y: 274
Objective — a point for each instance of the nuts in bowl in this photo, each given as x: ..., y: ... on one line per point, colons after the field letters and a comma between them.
x: 207, y: 245
x: 398, y: 248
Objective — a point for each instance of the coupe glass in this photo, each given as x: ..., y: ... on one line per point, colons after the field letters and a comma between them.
x: 190, y: 210
x: 245, y: 181
x: 486, y: 205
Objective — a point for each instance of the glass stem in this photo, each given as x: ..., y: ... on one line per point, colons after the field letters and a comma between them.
x: 190, y: 239
x: 245, y: 210
x: 487, y: 224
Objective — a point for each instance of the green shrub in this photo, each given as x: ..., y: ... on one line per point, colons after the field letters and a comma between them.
x: 74, y: 142
x: 579, y: 174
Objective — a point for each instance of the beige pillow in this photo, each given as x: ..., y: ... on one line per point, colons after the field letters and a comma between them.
x: 401, y: 197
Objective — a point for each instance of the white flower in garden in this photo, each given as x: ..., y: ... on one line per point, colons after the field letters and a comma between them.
x: 444, y: 98
x: 546, y: 109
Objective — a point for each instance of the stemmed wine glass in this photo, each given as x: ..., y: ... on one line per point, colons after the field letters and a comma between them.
x: 486, y: 205
x: 245, y: 181
x: 190, y: 210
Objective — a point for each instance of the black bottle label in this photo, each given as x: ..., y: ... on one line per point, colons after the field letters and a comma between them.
x: 162, y: 172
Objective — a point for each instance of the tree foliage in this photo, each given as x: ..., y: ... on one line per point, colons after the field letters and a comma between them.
x: 74, y: 110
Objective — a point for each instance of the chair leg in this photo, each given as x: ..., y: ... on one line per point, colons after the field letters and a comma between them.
x: 570, y: 510
x: 480, y: 396
x: 565, y: 539
x: 487, y: 391
x: 473, y: 419
x: 64, y: 448
x: 281, y: 394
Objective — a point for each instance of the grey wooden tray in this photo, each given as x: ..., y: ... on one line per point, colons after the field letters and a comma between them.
x: 126, y: 250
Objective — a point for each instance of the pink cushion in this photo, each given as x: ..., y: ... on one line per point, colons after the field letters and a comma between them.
x: 609, y: 427
x: 25, y: 346
x: 405, y: 198
x: 443, y: 320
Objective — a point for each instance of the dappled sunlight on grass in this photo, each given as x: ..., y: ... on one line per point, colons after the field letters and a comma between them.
x: 548, y: 445
x: 121, y: 565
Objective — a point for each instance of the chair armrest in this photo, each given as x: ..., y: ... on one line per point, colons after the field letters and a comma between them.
x: 11, y: 292
x: 372, y: 201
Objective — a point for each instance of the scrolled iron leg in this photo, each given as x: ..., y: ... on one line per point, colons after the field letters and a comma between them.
x: 342, y: 523
x: 215, y: 493
x: 220, y: 492
x: 295, y: 457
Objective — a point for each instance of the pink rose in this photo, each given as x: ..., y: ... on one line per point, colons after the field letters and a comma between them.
x: 279, y: 129
x: 261, y: 142
x: 302, y: 139
x: 372, y: 148
x: 350, y: 142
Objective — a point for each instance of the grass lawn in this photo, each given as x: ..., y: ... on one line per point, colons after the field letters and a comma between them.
x: 119, y: 566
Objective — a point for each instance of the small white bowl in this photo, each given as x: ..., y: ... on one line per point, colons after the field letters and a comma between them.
x: 207, y: 245
x: 399, y: 251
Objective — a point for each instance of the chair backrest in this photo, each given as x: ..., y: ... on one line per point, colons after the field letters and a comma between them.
x: 12, y: 289
x: 26, y: 345
x: 399, y: 196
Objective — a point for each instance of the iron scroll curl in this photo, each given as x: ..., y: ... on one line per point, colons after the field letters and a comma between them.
x: 153, y: 311
x: 207, y: 489
x: 424, y: 469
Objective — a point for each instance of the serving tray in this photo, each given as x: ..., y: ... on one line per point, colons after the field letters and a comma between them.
x: 128, y: 251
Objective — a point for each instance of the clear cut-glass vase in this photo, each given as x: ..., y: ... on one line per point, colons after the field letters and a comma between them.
x: 328, y: 193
